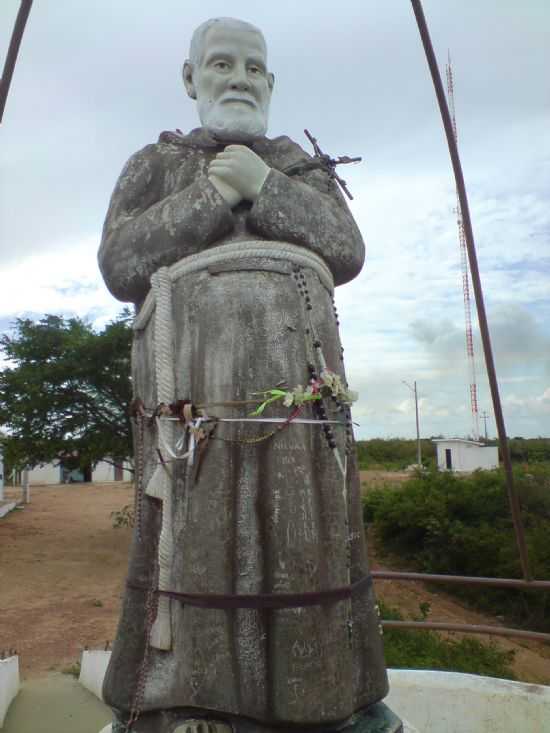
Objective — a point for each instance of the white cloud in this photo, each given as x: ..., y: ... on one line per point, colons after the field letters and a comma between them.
x: 538, y: 405
x: 65, y: 281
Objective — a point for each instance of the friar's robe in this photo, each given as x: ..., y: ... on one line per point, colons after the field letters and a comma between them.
x: 271, y: 517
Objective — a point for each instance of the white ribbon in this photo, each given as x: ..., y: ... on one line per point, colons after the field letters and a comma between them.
x: 190, y: 453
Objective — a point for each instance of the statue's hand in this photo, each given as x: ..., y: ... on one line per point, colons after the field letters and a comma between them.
x: 227, y: 192
x: 240, y: 168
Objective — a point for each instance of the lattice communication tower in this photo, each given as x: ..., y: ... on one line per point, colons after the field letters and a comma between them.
x: 465, y: 276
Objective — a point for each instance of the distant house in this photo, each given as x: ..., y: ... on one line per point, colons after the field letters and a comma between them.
x: 56, y: 473
x: 456, y: 454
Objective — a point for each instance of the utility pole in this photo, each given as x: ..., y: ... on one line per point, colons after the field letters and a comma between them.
x: 484, y: 416
x: 418, y: 448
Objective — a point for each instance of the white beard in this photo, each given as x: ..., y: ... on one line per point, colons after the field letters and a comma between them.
x: 233, y: 122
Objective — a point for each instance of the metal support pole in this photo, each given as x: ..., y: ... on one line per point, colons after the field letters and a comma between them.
x: 476, y: 282
x: 484, y: 416
x: 466, y: 629
x: 462, y: 580
x: 418, y: 447
x: 26, y: 486
x: 13, y: 50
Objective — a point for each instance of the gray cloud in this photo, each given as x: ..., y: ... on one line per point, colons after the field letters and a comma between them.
x: 96, y: 82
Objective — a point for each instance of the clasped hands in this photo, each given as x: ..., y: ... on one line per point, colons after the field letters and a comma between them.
x: 238, y: 173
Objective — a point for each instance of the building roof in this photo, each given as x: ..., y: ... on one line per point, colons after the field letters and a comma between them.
x: 458, y: 440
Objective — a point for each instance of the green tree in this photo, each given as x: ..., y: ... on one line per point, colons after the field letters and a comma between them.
x: 65, y: 392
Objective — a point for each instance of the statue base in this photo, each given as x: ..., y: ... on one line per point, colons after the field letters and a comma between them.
x: 377, y: 718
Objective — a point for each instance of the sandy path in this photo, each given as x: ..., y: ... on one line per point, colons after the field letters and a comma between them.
x: 61, y: 574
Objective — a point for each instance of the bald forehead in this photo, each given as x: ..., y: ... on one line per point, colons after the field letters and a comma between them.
x: 219, y: 38
x: 227, y: 29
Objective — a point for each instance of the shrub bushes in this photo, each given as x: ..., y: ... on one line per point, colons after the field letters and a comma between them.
x: 440, y: 523
x: 411, y: 649
x: 393, y: 454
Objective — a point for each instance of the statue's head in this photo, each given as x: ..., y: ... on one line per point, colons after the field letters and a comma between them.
x: 227, y: 74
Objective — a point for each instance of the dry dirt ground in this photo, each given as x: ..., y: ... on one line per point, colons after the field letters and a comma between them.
x: 62, y: 569
x: 63, y: 566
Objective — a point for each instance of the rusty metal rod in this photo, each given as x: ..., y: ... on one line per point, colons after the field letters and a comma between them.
x: 476, y: 282
x: 466, y: 629
x: 463, y: 580
x: 13, y: 50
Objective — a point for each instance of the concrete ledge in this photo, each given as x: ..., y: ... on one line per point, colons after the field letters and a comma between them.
x: 9, y: 684
x: 93, y: 665
x: 450, y: 702
x: 7, y: 507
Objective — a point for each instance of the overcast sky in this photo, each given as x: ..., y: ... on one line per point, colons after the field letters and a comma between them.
x: 97, y: 81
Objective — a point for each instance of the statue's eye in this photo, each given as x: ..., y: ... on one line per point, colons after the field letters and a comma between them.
x: 254, y: 70
x: 221, y: 65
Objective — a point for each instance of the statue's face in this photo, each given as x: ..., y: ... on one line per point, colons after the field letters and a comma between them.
x: 231, y: 84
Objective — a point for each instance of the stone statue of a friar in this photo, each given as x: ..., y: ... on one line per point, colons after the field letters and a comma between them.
x: 248, y: 604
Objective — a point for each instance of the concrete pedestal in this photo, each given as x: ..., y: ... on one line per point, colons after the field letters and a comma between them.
x: 377, y: 718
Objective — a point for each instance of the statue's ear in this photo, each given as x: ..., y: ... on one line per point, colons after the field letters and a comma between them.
x: 270, y: 80
x: 187, y: 74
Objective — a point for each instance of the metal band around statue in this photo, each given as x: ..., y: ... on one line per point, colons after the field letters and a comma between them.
x: 249, y: 598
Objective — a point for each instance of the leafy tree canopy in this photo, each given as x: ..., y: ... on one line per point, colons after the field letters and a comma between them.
x: 66, y: 391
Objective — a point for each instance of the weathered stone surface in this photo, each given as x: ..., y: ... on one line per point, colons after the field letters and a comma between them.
x: 265, y: 517
x: 165, y: 208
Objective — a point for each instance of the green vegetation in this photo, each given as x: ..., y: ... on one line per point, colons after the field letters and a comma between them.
x: 440, y: 523
x: 123, y: 517
x: 395, y: 454
x: 73, y: 669
x: 411, y: 649
x: 65, y: 392
x: 529, y: 450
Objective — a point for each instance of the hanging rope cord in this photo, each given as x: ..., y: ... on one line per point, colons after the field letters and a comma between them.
x: 160, y: 485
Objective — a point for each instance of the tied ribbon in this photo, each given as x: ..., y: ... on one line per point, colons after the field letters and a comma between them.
x: 193, y: 433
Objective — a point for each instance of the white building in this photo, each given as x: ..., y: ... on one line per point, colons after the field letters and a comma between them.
x: 103, y: 472
x: 46, y: 474
x: 456, y: 454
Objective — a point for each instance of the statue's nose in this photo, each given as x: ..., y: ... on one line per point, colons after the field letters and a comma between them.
x: 239, y: 79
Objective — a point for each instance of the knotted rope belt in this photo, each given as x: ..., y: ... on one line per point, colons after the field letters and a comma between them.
x: 264, y: 600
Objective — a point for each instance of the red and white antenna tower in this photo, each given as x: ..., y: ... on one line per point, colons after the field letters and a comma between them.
x: 465, y: 277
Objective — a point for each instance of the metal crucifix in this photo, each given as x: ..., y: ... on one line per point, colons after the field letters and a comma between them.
x: 329, y: 164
